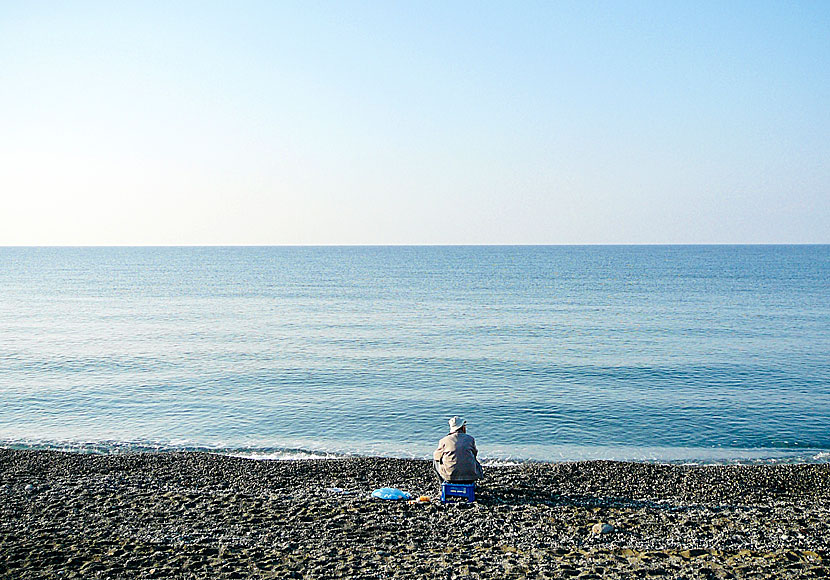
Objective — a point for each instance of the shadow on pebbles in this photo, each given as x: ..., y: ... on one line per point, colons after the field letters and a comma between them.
x: 197, y: 515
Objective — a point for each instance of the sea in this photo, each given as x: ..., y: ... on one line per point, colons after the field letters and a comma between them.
x: 678, y: 354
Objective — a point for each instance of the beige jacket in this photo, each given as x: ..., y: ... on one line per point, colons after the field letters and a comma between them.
x: 455, y: 458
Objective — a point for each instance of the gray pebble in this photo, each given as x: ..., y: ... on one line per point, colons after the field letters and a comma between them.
x: 602, y: 528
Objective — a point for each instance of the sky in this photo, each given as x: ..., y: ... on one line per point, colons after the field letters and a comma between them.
x: 294, y: 123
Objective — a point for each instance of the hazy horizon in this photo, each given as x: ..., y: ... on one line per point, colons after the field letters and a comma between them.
x: 437, y: 245
x: 364, y: 123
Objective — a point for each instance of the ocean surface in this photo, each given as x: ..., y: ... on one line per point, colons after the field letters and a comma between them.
x: 653, y: 353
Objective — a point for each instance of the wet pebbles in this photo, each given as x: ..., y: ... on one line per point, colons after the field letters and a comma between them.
x: 195, y: 515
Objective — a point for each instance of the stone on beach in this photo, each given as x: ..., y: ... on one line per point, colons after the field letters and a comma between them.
x: 602, y: 528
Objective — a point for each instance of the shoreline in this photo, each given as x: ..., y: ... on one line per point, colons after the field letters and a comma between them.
x: 195, y: 515
x: 699, y: 456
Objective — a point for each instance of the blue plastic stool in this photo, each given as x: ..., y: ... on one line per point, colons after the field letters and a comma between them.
x: 459, y: 491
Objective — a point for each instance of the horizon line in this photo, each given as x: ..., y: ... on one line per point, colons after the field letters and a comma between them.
x: 422, y: 245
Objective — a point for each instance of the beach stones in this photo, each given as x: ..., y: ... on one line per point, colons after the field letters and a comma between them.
x: 601, y: 529
x: 194, y: 515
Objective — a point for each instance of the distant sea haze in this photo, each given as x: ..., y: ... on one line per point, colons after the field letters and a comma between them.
x: 663, y: 353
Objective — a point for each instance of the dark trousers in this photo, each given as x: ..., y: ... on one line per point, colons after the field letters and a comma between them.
x: 440, y: 477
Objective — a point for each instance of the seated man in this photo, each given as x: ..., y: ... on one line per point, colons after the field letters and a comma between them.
x: 455, y: 459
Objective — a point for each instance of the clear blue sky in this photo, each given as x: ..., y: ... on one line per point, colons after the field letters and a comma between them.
x: 414, y: 123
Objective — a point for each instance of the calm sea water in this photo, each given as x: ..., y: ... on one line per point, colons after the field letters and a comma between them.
x: 672, y: 353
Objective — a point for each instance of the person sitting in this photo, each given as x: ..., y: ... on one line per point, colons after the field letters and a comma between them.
x: 455, y: 460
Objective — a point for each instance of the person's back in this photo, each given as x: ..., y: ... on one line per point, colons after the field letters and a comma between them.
x: 455, y: 459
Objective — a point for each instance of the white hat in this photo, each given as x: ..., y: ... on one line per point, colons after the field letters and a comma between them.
x: 456, y: 423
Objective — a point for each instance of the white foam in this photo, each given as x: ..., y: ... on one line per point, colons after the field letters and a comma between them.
x: 681, y: 455
x: 490, y: 456
x: 499, y: 463
x: 288, y: 455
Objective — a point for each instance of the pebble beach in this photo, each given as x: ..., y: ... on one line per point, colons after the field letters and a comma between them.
x: 198, y: 515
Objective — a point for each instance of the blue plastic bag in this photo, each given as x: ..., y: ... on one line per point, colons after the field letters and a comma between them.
x: 390, y: 493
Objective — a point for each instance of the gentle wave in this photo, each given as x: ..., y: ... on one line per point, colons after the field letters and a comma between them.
x: 494, y: 458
